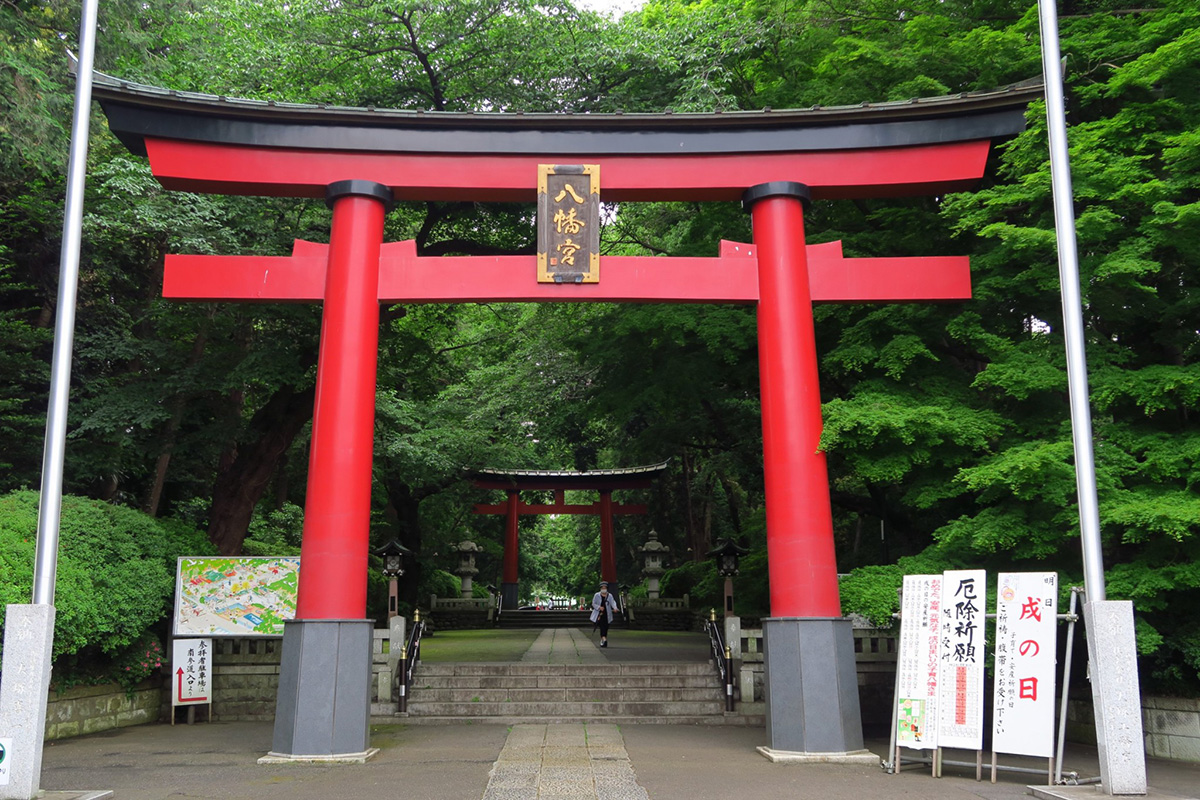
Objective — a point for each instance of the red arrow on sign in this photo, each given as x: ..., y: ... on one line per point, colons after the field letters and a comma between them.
x: 179, y: 672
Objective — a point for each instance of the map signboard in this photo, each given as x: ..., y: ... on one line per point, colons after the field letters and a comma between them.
x: 217, y: 596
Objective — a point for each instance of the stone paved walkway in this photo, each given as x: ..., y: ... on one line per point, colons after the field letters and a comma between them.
x: 564, y: 762
x: 563, y: 646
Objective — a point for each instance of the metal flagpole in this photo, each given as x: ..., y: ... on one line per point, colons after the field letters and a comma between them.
x: 29, y: 634
x: 1068, y: 272
x: 1110, y: 627
x: 50, y: 508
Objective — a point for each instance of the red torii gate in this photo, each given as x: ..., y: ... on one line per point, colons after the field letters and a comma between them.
x: 361, y: 160
x: 604, y: 481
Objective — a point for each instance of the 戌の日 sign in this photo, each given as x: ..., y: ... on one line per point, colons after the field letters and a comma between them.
x: 1026, y: 631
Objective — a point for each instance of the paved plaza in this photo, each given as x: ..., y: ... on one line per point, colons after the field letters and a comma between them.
x: 479, y: 761
x: 492, y: 762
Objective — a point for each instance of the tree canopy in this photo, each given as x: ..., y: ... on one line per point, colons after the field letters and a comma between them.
x: 946, y: 425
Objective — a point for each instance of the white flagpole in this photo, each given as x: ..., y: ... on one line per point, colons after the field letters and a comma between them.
x: 1116, y: 696
x: 50, y: 508
x: 29, y: 635
x: 1068, y: 272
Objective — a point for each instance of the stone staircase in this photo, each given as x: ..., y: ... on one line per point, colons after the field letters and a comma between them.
x: 559, y: 618
x: 641, y: 692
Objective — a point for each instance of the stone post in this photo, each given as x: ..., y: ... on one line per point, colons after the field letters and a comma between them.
x: 1112, y: 651
x: 28, y: 651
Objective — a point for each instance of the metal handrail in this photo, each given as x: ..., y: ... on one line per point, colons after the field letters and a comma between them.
x: 722, y: 656
x: 410, y: 654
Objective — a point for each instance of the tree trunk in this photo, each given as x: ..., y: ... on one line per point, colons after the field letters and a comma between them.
x: 691, y: 519
x: 403, y: 512
x: 178, y: 404
x: 242, y: 481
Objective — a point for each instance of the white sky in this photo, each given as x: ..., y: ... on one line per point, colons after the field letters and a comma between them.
x: 613, y: 7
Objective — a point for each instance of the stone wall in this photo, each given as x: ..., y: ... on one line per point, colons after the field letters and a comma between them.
x: 456, y: 619
x: 245, y: 679
x: 1170, y: 726
x: 91, y: 709
x: 874, y: 661
x: 649, y: 618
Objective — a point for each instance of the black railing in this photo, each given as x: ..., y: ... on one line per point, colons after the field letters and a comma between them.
x: 409, y: 656
x: 722, y: 656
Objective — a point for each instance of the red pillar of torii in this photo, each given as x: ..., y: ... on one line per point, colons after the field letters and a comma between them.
x: 362, y: 158
x: 602, y: 481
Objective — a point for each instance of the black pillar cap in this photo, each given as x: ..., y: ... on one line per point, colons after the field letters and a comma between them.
x: 776, y: 189
x: 361, y: 188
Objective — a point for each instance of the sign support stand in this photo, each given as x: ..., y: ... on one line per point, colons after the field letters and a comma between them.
x: 937, y: 761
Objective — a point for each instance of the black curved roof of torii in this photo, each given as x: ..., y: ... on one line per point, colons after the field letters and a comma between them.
x: 596, y: 479
x: 137, y: 111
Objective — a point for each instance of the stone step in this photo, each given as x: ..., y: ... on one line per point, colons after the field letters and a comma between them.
x: 550, y: 619
x: 584, y: 710
x: 422, y: 681
x: 734, y: 719
x: 602, y: 672
x: 582, y: 694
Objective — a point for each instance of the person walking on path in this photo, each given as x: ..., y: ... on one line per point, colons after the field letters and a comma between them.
x: 603, y: 606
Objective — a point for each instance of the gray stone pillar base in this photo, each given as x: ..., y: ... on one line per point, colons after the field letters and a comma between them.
x: 323, y: 708
x: 509, y: 593
x: 812, y: 690
x: 861, y: 757
x: 28, y: 651
x: 346, y: 758
x: 1116, y: 698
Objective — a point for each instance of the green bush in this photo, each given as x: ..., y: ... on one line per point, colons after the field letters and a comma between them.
x: 116, y: 571
x: 439, y: 582
x: 873, y: 590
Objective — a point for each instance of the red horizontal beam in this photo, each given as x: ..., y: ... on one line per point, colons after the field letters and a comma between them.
x: 831, y: 174
x: 405, y: 277
x: 590, y: 510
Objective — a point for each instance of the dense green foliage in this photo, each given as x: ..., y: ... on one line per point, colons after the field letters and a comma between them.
x: 947, y: 426
x: 116, y: 579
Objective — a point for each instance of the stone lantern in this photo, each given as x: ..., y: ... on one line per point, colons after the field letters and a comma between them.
x: 654, y: 552
x: 393, y: 554
x: 727, y: 554
x: 466, y: 570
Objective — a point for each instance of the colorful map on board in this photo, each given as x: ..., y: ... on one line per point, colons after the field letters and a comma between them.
x: 235, y: 596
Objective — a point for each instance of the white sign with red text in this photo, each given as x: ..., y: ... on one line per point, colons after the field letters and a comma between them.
x: 191, y: 671
x: 917, y: 663
x: 1026, y: 636
x: 960, y: 682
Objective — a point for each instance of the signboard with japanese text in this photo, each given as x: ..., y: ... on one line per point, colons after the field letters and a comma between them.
x: 917, y: 665
x: 568, y: 223
x: 1026, y: 635
x: 960, y: 682
x: 235, y: 596
x: 191, y: 671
